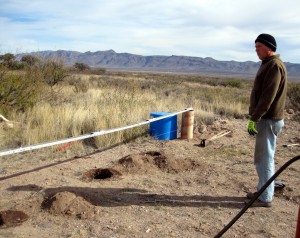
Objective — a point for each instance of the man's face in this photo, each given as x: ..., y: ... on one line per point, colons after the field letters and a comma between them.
x: 262, y: 51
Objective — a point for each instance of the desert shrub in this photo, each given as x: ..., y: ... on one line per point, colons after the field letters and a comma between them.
x: 98, y: 71
x: 9, y: 61
x: 79, y: 85
x: 85, y: 69
x: 30, y: 60
x: 293, y: 95
x: 18, y: 91
x: 95, y: 81
x: 81, y: 66
x: 53, y: 72
x: 212, y: 81
x: 234, y: 83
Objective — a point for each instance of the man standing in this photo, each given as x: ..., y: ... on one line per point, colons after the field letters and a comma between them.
x: 266, y: 110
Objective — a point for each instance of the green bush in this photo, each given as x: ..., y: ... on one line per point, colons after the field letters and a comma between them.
x: 9, y: 61
x: 30, y: 60
x: 81, y: 66
x: 18, y: 91
x: 53, y: 72
x: 21, y: 88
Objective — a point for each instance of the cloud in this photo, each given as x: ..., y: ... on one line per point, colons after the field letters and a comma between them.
x: 207, y: 28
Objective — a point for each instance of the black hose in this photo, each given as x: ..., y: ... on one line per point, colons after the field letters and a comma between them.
x: 259, y: 192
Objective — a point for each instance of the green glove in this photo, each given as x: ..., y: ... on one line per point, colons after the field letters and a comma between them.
x: 251, y: 128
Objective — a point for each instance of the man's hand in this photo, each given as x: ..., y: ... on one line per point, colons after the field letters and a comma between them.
x: 251, y: 128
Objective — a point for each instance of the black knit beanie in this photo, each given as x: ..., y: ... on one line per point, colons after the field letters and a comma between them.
x: 267, y: 40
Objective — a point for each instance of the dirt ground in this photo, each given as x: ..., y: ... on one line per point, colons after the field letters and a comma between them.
x: 150, y: 188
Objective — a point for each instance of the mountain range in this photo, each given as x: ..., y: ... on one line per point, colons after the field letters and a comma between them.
x: 111, y: 60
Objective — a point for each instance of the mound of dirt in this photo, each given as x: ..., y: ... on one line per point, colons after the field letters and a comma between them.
x: 154, y: 160
x: 67, y: 203
x: 12, y: 218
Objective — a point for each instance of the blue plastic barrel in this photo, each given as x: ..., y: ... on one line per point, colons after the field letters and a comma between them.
x: 164, y: 129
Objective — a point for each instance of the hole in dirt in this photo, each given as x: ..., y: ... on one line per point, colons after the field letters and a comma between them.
x: 12, y: 218
x: 153, y: 153
x: 101, y: 174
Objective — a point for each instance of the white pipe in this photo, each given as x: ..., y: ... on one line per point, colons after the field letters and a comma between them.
x: 92, y: 134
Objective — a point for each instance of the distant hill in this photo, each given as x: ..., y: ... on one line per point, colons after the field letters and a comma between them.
x: 183, y: 64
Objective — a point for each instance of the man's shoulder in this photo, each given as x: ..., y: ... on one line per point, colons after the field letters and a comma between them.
x: 276, y: 61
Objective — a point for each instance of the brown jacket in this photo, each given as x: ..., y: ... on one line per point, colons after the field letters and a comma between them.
x: 268, y: 95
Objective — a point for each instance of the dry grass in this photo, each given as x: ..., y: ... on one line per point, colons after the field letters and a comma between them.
x: 87, y: 103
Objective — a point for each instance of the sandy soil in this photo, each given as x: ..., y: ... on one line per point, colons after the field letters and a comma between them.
x: 150, y: 188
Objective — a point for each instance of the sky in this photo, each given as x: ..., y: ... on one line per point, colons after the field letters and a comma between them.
x: 221, y: 29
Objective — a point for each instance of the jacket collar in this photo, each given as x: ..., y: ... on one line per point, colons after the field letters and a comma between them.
x: 271, y: 58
